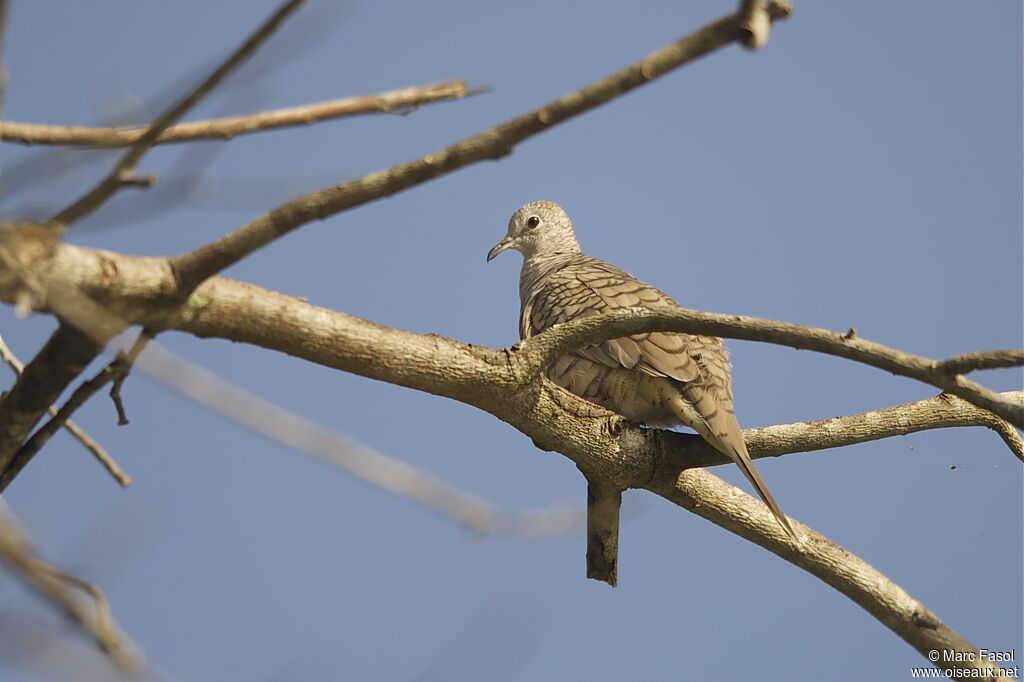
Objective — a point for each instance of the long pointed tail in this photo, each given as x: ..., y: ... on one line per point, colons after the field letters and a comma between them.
x: 729, y: 441
x: 746, y: 465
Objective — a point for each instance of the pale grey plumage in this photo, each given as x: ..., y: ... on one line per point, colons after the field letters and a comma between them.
x: 659, y: 379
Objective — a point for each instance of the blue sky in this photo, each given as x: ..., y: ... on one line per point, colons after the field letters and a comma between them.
x: 863, y: 170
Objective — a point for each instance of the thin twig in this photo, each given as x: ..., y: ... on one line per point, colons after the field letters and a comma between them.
x: 120, y: 368
x: 123, y: 172
x: 88, y: 442
x: 195, y: 266
x: 391, y: 101
x: 59, y: 588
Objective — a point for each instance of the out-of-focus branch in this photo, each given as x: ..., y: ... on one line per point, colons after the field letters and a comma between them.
x: 87, y: 441
x: 403, y: 100
x: 193, y: 267
x: 122, y: 174
x: 3, y: 60
x: 64, y: 590
x: 544, y: 348
x: 363, y: 462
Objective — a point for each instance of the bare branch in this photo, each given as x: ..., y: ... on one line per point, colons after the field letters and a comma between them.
x: 725, y: 505
x: 119, y: 372
x: 64, y: 357
x: 192, y: 268
x: 89, y: 443
x: 603, y: 504
x: 243, y: 312
x: 754, y: 24
x: 984, y: 359
x: 96, y: 322
x: 3, y: 60
x: 1010, y: 436
x: 123, y: 172
x: 228, y: 309
x: 403, y: 100
x: 59, y: 588
x: 507, y: 384
x: 114, y: 371
x: 544, y: 348
x: 941, y: 412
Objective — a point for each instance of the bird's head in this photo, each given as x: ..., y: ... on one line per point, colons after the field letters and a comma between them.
x: 540, y: 227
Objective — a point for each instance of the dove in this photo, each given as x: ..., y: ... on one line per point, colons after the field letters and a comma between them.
x: 659, y: 379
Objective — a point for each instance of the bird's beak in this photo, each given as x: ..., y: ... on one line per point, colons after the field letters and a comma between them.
x: 499, y: 247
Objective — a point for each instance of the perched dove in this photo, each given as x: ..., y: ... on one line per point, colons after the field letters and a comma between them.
x: 658, y: 378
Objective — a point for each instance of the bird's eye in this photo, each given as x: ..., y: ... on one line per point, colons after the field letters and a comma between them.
x: 532, y: 222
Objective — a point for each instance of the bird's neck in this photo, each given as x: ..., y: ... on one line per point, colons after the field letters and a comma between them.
x: 540, y: 265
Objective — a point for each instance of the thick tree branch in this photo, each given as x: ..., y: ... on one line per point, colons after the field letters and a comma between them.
x: 543, y: 348
x: 505, y: 383
x: 64, y: 357
x: 401, y: 101
x: 141, y: 289
x: 123, y: 173
x: 727, y: 506
x: 192, y: 268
